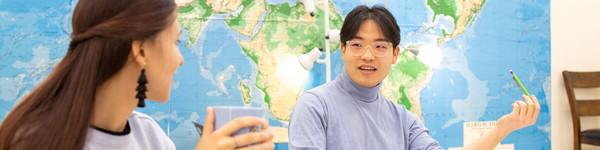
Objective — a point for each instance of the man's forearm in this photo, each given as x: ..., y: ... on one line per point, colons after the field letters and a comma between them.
x: 488, y: 141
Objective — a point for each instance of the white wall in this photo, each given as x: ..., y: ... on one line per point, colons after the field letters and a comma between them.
x: 575, y: 29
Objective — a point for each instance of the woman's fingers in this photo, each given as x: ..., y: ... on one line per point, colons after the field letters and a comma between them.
x: 225, y: 143
x: 209, y: 122
x: 241, y: 122
x: 221, y: 138
x: 253, y: 138
x: 268, y: 145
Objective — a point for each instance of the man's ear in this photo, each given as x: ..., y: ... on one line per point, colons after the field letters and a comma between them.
x: 343, y: 48
x: 396, y: 51
x: 343, y: 52
x: 396, y: 54
x: 137, y: 51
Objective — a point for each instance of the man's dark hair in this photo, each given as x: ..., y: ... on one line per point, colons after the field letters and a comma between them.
x: 379, y: 14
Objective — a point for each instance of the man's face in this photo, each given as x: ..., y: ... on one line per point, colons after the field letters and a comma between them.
x: 369, y: 56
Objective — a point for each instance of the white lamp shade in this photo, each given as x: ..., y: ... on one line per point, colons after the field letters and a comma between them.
x: 430, y: 55
x: 310, y: 7
x: 334, y: 35
x: 307, y: 60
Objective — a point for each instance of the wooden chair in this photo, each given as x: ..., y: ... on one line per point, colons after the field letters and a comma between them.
x: 583, y: 108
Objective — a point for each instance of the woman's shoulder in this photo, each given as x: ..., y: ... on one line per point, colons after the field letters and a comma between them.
x: 143, y: 121
x: 145, y: 127
x: 140, y: 115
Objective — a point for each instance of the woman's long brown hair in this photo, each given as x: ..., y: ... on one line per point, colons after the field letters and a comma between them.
x: 56, y: 114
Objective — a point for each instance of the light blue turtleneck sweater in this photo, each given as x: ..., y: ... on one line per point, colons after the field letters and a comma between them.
x: 342, y: 115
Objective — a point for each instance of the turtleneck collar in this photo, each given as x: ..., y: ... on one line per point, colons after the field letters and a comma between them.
x: 363, y: 94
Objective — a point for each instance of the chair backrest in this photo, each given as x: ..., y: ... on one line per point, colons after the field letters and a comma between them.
x: 582, y: 80
x: 579, y: 107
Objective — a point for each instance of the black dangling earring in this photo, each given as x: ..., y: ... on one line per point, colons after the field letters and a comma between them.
x: 141, y: 89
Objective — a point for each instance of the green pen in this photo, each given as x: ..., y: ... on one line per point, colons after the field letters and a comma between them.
x: 519, y: 82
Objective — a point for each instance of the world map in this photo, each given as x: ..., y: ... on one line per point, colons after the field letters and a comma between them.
x: 245, y: 53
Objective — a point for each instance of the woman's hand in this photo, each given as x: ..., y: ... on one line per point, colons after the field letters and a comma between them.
x: 221, y: 139
x: 524, y: 114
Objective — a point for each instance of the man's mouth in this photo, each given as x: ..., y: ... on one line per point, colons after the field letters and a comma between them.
x: 367, y: 68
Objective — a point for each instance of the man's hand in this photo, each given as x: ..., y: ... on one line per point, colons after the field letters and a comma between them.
x: 525, y: 113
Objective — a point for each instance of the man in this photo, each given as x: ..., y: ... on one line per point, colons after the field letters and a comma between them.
x: 350, y: 112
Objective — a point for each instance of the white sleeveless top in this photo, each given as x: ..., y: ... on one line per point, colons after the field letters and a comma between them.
x: 141, y: 133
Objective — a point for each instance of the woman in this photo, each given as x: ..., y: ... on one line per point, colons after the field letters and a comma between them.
x: 121, y: 52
